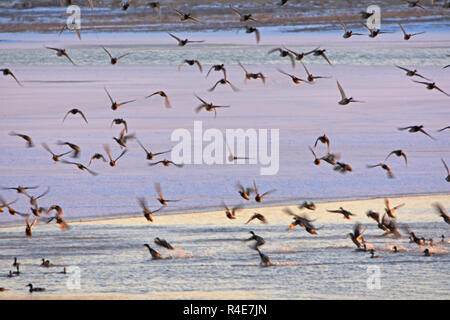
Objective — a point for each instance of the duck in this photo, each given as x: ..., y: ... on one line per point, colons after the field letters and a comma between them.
x: 161, y: 196
x: 347, y: 214
x: 299, y: 56
x: 162, y: 94
x: 417, y: 128
x: 35, y: 289
x: 120, y: 121
x: 148, y: 214
x: 114, y: 60
x: 163, y: 243
x: 155, y: 254
x: 321, y: 53
x: 81, y: 167
x: 284, y: 53
x: 218, y: 67
x: 191, y: 63
x: 208, y: 106
x: 243, y: 17
x: 385, y: 167
x: 407, y: 36
x: 29, y: 141
x: 231, y: 213
x: 11, y: 211
x: 122, y: 139
x: 4, y: 204
x: 112, y: 162
x: 311, y: 77
x: 29, y: 226
x: 150, y: 155
x: 223, y: 81
x: 344, y: 100
x: 356, y: 236
x: 249, y: 76
x: 431, y: 86
x: 348, y: 33
x: 447, y: 178
x: 301, y: 221
x: 166, y: 163
x: 16, y: 263
x: 325, y: 140
x: 441, y: 211
x: 55, y: 157
x: 307, y: 205
x: 427, y: 253
x: 184, y: 42
x: 372, y: 254
x: 46, y: 263
x: 413, y: 4
x: 398, y: 153
x: 258, y: 216
x: 382, y: 224
x: 390, y: 211
x: 265, y: 260
x: 62, y: 52
x: 97, y: 156
x: 75, y: 111
x: 115, y: 105
x: 258, y: 197
x: 8, y: 72
x: 294, y: 78
x: 259, y: 240
x: 244, y: 192
x: 411, y: 73
x: 342, y: 167
x: 58, y: 217
x: 233, y: 157
x: 33, y: 199
x: 76, y: 149
x: 250, y: 29
x: 186, y: 16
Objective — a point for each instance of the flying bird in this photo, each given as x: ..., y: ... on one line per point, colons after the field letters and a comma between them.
x: 414, y: 129
x: 75, y: 111
x: 81, y: 167
x: 294, y: 78
x: 148, y: 214
x: 325, y: 140
x: 76, y: 149
x: 342, y: 167
x: 61, y: 53
x: 114, y: 60
x: 446, y: 169
x: 347, y: 214
x: 249, y: 75
x: 162, y: 94
x: 150, y: 155
x: 398, y: 153
x: 186, y: 16
x: 161, y: 196
x: 431, y: 86
x: 112, y: 162
x: 244, y: 192
x: 208, y: 106
x: 7, y: 72
x: 284, y: 53
x: 411, y: 73
x: 96, y: 156
x: 191, y: 63
x: 118, y: 122
x: 390, y: 211
x: 356, y: 236
x: 311, y: 77
x: 29, y: 141
x: 218, y: 67
x: 223, y: 81
x: 258, y: 216
x: 250, y: 29
x: 166, y: 163
x: 407, y: 36
x: 184, y: 42
x: 321, y: 53
x: 385, y: 167
x: 413, y: 4
x: 348, y: 33
x: 243, y: 17
x: 344, y: 100
x: 114, y: 104
x: 163, y: 243
x: 231, y: 213
x: 441, y: 211
x: 259, y: 197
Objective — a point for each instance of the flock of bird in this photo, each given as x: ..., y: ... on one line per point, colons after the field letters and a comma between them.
x: 386, y: 222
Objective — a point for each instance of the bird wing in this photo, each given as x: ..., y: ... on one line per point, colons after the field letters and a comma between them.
x: 341, y: 90
x: 445, y: 166
x: 403, y: 30
x: 109, y: 54
x: 109, y: 96
x: 83, y: 116
x: 176, y: 38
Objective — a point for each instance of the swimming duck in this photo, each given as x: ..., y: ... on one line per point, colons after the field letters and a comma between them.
x: 385, y: 167
x: 46, y: 263
x: 249, y: 76
x: 390, y: 211
x: 431, y: 86
x: 81, y: 167
x: 120, y: 121
x: 184, y: 42
x: 344, y: 100
x: 231, y: 213
x: 284, y: 53
x: 163, y: 243
x: 112, y: 162
x: 398, y: 153
x: 155, y: 254
x: 347, y: 214
x: 250, y: 29
x: 414, y: 129
x: 223, y: 81
x: 8, y: 72
x: 147, y: 213
x: 114, y: 104
x: 33, y: 289
x: 55, y: 157
x: 62, y: 52
x: 161, y: 197
x: 208, y: 106
x: 75, y: 111
x: 244, y: 192
x: 29, y: 141
x: 411, y: 73
x: 76, y: 149
x: 259, y: 197
x: 191, y: 63
x: 294, y: 78
x: 162, y: 94
x: 114, y: 60
x: 407, y: 36
x: 149, y: 154
x: 372, y: 254
x: 427, y: 253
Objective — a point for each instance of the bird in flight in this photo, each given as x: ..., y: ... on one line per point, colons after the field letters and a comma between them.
x: 208, y: 106
x: 186, y: 16
x: 161, y: 196
x: 407, y: 36
x: 311, y: 77
x: 446, y: 169
x: 162, y: 94
x: 385, y: 167
x: 431, y: 86
x: 29, y: 141
x: 7, y: 72
x: 344, y: 100
x: 184, y: 42
x: 411, y: 73
x: 294, y: 78
x: 242, y: 17
x: 348, y: 33
x: 112, y: 162
x: 259, y: 197
x: 191, y: 63
x: 62, y: 52
x: 284, y: 53
x: 81, y: 167
x: 114, y: 104
x: 244, y: 192
x: 147, y: 213
x: 398, y: 153
x: 249, y: 75
x: 250, y: 29
x: 390, y: 211
x: 414, y: 129
x: 258, y: 216
x: 150, y: 155
x: 114, y: 60
x: 75, y: 111
x: 223, y: 81
x: 347, y: 214
x: 231, y: 213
